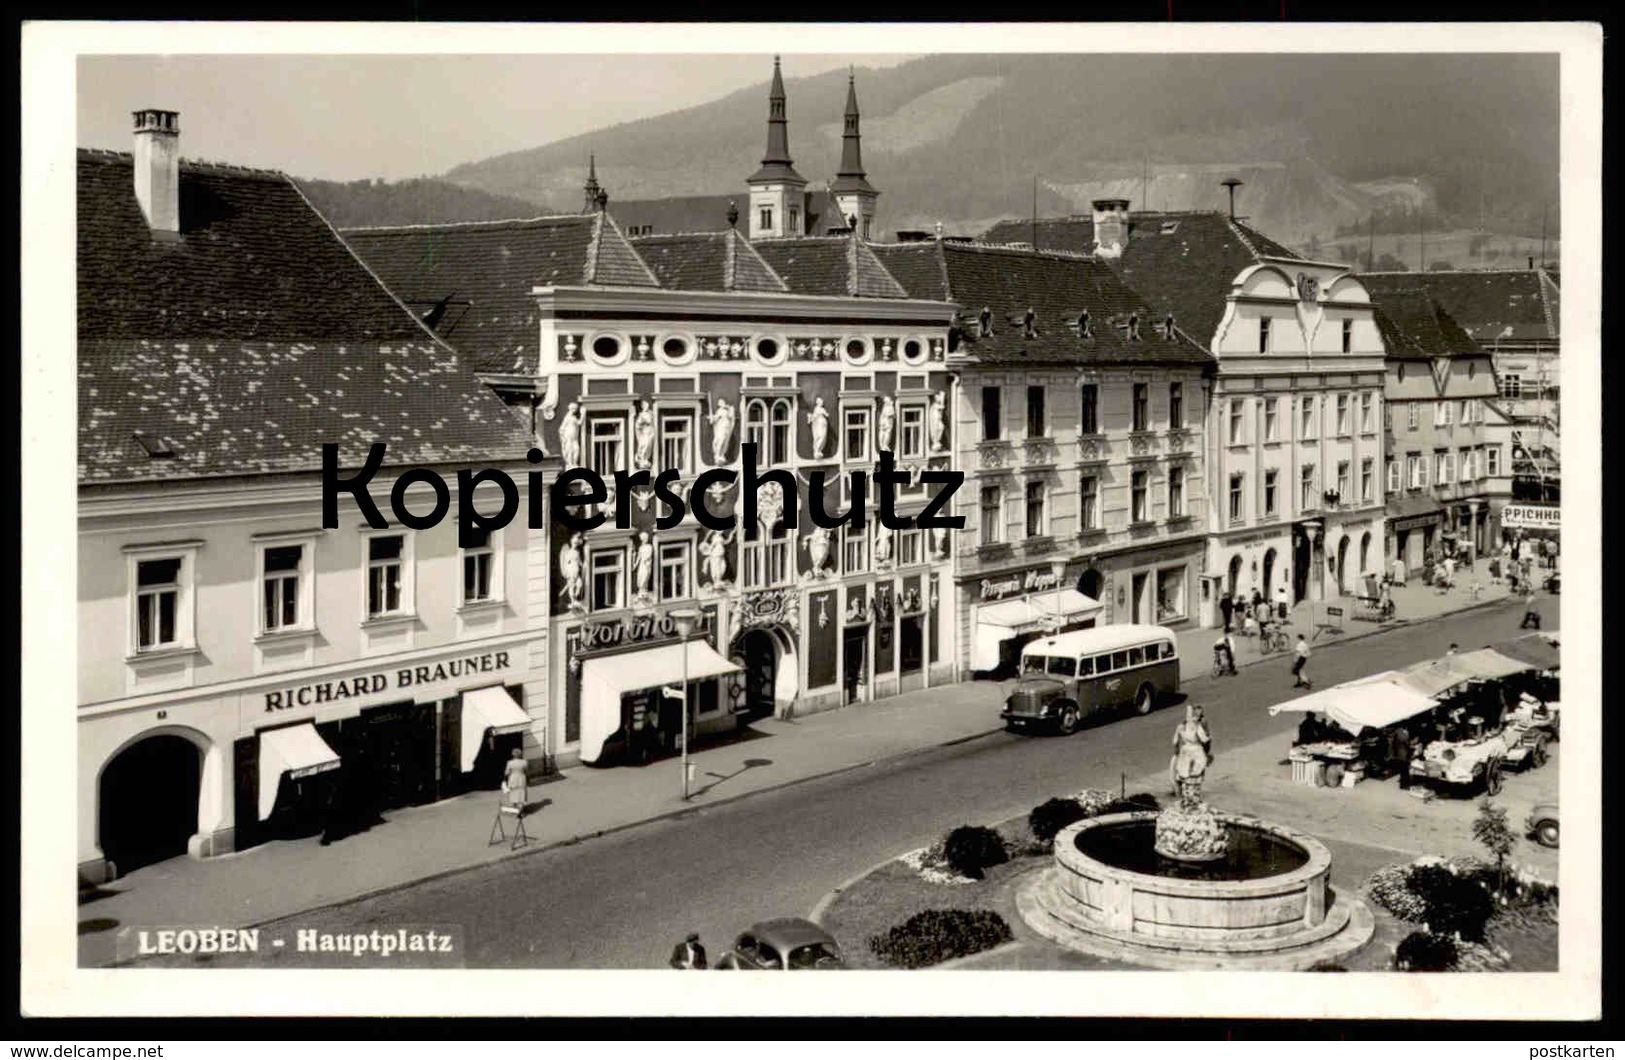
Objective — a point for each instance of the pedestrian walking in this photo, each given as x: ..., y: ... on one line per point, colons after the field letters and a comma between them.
x: 1227, y: 607
x: 689, y: 955
x: 1452, y: 650
x: 1281, y: 605
x: 1530, y: 615
x: 515, y: 780
x: 1301, y: 651
x: 1225, y: 651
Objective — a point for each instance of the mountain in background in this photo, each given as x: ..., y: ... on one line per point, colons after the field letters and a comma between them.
x: 421, y: 200
x: 1322, y: 142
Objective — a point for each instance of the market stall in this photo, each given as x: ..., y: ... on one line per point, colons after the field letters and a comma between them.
x: 1349, y: 730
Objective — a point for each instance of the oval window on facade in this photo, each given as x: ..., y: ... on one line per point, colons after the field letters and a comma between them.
x: 855, y: 349
x: 767, y: 349
x: 606, y: 347
x: 1402, y: 371
x: 913, y: 351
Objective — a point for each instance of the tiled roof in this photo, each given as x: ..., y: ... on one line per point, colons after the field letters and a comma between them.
x: 1412, y: 322
x: 493, y: 265
x: 1515, y: 304
x: 707, y: 261
x: 254, y: 261
x: 252, y: 339
x: 682, y: 213
x: 1057, y: 287
x: 1075, y: 234
x: 830, y: 265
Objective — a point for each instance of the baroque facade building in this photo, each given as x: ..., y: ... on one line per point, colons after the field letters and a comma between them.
x: 245, y: 672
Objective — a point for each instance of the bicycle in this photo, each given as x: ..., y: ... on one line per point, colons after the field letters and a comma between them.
x: 1273, y: 640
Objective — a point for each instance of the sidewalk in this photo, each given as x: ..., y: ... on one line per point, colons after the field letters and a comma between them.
x: 1413, y: 602
x: 280, y: 879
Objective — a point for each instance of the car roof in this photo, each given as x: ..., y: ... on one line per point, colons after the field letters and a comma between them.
x: 1100, y: 638
x: 786, y: 933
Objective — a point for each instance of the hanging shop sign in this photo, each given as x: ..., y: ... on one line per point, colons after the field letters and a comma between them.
x: 632, y: 629
x: 1005, y: 586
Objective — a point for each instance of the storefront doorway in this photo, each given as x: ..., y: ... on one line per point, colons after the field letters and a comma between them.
x: 1268, y: 584
x: 1365, y: 553
x: 1141, y: 598
x: 756, y: 652
x: 148, y: 800
x: 396, y: 745
x: 1343, y: 566
x: 1089, y: 583
x: 855, y: 662
x: 1302, y: 559
x: 1233, y: 577
x: 910, y: 652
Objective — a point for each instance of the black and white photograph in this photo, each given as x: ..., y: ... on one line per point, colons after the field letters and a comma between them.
x: 812, y: 498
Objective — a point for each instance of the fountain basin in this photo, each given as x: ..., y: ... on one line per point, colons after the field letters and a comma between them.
x: 1266, y: 904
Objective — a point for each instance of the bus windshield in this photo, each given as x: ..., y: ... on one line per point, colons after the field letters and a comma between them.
x: 1034, y: 664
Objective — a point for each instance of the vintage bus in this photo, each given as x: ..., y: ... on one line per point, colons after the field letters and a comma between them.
x: 1071, y: 676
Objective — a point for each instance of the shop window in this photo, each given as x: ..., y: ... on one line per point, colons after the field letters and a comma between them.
x: 1139, y: 497
x: 386, y: 575
x: 676, y: 442
x: 1142, y: 407
x: 1037, y: 525
x: 478, y: 566
x: 1037, y: 425
x: 992, y: 414
x: 911, y: 431
x: 857, y: 435
x: 675, y: 568
x: 158, y: 588
x: 856, y: 549
x: 1176, y: 406
x: 1170, y: 594
x: 1089, y: 409
x: 1089, y: 503
x: 608, y: 579
x: 992, y: 509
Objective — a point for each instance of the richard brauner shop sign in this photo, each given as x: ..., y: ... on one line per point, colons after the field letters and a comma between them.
x: 405, y: 678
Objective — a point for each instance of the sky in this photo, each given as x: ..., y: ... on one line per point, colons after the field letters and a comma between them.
x: 348, y: 117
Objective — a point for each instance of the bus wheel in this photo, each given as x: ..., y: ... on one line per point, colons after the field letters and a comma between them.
x: 1069, y: 720
x: 1144, y: 700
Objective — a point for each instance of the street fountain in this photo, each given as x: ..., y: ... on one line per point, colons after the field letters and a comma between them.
x: 1190, y: 887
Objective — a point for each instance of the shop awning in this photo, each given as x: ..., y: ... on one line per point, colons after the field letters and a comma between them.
x: 1000, y: 621
x: 1490, y: 664
x: 296, y: 751
x: 1436, y: 676
x: 1536, y: 649
x: 488, y: 709
x: 1373, y: 703
x: 604, y: 680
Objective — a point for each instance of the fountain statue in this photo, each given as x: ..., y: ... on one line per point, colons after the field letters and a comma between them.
x: 1191, y: 831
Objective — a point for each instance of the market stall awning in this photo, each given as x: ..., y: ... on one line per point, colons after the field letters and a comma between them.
x: 488, y: 709
x: 1489, y: 664
x: 1000, y: 621
x: 605, y: 679
x: 1373, y: 703
x: 1436, y: 676
x: 296, y: 751
x: 1536, y: 649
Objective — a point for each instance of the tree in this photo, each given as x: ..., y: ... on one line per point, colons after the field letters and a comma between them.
x: 1389, y: 263
x: 1491, y: 830
x: 1441, y: 265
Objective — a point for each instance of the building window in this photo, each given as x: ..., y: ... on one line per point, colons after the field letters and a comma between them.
x: 992, y: 515
x: 1235, y: 498
x: 1176, y: 406
x: 1466, y: 466
x: 1263, y: 334
x: 478, y: 562
x: 1307, y: 408
x: 911, y: 548
x: 676, y: 442
x: 1342, y: 415
x: 857, y: 549
x: 1441, y: 414
x: 1414, y: 471
x: 1036, y: 525
x: 1036, y: 427
x: 767, y: 218
x: 911, y: 431
x: 1388, y: 417
x: 1461, y: 412
x: 1348, y: 336
x: 1393, y: 475
x: 1089, y: 409
x: 1142, y: 407
x: 608, y: 441
x: 1442, y: 469
x: 857, y: 435
x: 1170, y: 594
x: 1306, y: 488
x: 867, y: 221
x: 608, y: 578
x: 1236, y: 414
x: 767, y: 559
x: 1088, y: 503
x: 1272, y: 477
x: 795, y: 221
x: 781, y: 450
x: 1368, y: 474
x: 1492, y: 461
x: 1367, y: 401
x: 1413, y: 415
x: 992, y: 414
x: 158, y: 603
x: 767, y: 426
x: 1139, y: 489
x: 280, y: 570
x: 386, y: 558
x: 1343, y: 472
x: 1176, y: 492
x: 1272, y: 427
x: 1511, y: 385
x: 674, y: 571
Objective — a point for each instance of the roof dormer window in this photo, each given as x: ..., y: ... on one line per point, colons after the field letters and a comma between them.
x: 1084, y: 331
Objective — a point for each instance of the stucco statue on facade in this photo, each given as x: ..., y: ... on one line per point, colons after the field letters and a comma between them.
x: 883, y: 535
x: 714, y: 549
x: 643, y: 436
x: 939, y: 423
x: 818, y: 420
x: 570, y: 570
x: 722, y: 429
x: 817, y: 550
x: 643, y: 567
x: 883, y: 428
x: 939, y: 540
x: 570, y: 436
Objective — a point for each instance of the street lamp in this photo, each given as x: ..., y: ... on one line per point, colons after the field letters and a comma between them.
x: 685, y: 620
x: 1059, y: 566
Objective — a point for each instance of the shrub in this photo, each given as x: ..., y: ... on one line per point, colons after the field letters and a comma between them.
x: 1390, y: 888
x: 1050, y: 817
x: 1421, y: 951
x: 972, y: 849
x: 1493, y: 832
x: 1142, y: 800
x: 1455, y: 904
x: 937, y: 935
x: 1326, y: 966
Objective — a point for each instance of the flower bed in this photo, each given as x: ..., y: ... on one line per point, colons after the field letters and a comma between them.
x: 1490, y: 919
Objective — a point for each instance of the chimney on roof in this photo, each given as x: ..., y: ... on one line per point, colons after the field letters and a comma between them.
x: 158, y: 169
x: 1230, y: 184
x: 1111, y: 226
x: 1531, y: 264
x: 733, y: 214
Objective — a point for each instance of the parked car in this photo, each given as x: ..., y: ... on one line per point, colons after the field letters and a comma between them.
x: 1543, y: 824
x: 787, y: 944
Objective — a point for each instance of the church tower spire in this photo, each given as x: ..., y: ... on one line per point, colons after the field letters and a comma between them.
x: 590, y: 190
x: 777, y: 194
x: 853, y: 193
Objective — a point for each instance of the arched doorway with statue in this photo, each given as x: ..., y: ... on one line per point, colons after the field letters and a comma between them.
x: 768, y: 681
